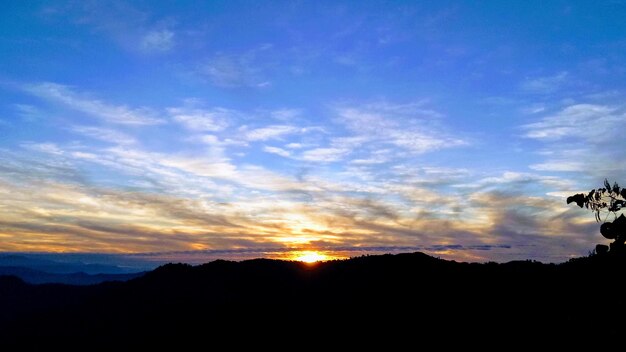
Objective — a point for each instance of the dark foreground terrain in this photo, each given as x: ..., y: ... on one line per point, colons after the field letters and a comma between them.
x: 406, y: 297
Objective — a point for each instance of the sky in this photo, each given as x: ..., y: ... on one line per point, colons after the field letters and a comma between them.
x: 238, y: 129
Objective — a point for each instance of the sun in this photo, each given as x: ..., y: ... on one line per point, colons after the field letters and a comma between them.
x: 310, y: 257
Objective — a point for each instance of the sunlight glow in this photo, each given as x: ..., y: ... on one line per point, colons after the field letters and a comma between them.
x: 310, y: 257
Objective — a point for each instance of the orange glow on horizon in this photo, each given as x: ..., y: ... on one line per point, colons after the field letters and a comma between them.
x: 310, y: 257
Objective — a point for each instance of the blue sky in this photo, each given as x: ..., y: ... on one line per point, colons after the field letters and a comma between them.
x: 245, y: 129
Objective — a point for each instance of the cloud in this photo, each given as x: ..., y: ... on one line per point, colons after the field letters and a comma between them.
x: 217, y: 142
x: 244, y: 69
x: 374, y: 133
x: 407, y: 126
x: 586, y: 121
x: 546, y: 84
x: 285, y: 114
x: 583, y: 138
x: 534, y: 109
x: 129, y: 26
x: 200, y: 204
x: 560, y: 166
x: 231, y: 71
x: 213, y: 198
x: 278, y: 151
x: 158, y: 40
x: 104, y: 134
x: 28, y: 112
x: 49, y: 148
x: 201, y: 120
x: 325, y: 155
x: 271, y: 132
x: 65, y: 96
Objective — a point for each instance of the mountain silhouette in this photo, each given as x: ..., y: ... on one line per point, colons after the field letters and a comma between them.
x: 76, y: 278
x: 60, y: 267
x: 379, y: 298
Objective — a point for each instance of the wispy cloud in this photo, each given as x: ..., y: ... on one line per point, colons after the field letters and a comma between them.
x: 270, y: 132
x: 285, y: 114
x: 325, y: 155
x: 67, y: 97
x: 231, y: 70
x: 581, y: 138
x: 104, y: 134
x: 49, y: 148
x: 408, y: 126
x: 278, y: 151
x: 545, y: 84
x: 28, y: 112
x: 158, y: 40
x: 133, y: 28
x: 586, y: 121
x: 215, y: 119
x: 267, y: 209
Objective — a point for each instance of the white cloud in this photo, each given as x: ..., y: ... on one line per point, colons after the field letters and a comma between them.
x: 119, y: 114
x: 407, y: 126
x: 245, y: 69
x: 560, y: 166
x: 325, y: 155
x: 206, y: 166
x: 271, y: 132
x: 415, y: 109
x: 294, y: 146
x: 158, y: 40
x: 285, y: 114
x: 376, y: 157
x: 587, y: 121
x: 216, y: 119
x: 217, y: 142
x: 534, y: 109
x: 545, y: 85
x: 28, y: 112
x: 230, y: 71
x: 583, y: 138
x: 278, y: 151
x: 225, y: 72
x: 104, y: 134
x: 49, y: 148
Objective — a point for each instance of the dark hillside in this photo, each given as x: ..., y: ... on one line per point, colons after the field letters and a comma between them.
x: 378, y: 297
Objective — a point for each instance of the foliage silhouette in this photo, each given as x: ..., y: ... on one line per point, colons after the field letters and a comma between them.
x: 609, y: 199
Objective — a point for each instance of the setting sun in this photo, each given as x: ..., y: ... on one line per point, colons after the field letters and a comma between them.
x: 310, y: 257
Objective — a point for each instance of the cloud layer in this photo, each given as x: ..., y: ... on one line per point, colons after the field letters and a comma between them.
x: 202, y: 130
x: 119, y: 196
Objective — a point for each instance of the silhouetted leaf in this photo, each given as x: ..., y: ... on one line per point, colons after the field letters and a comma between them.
x: 579, y: 199
x: 607, y: 230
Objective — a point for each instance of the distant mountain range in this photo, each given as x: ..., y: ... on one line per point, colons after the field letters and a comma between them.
x: 36, y: 270
x: 78, y: 278
x: 36, y: 262
x: 385, y: 299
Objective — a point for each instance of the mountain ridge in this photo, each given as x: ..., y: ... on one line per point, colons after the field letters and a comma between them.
x: 373, y: 294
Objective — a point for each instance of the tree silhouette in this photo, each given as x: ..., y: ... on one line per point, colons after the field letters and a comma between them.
x: 610, y: 200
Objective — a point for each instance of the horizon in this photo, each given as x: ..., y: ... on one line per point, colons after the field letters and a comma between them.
x: 106, y: 263
x: 149, y: 261
x: 283, y: 130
